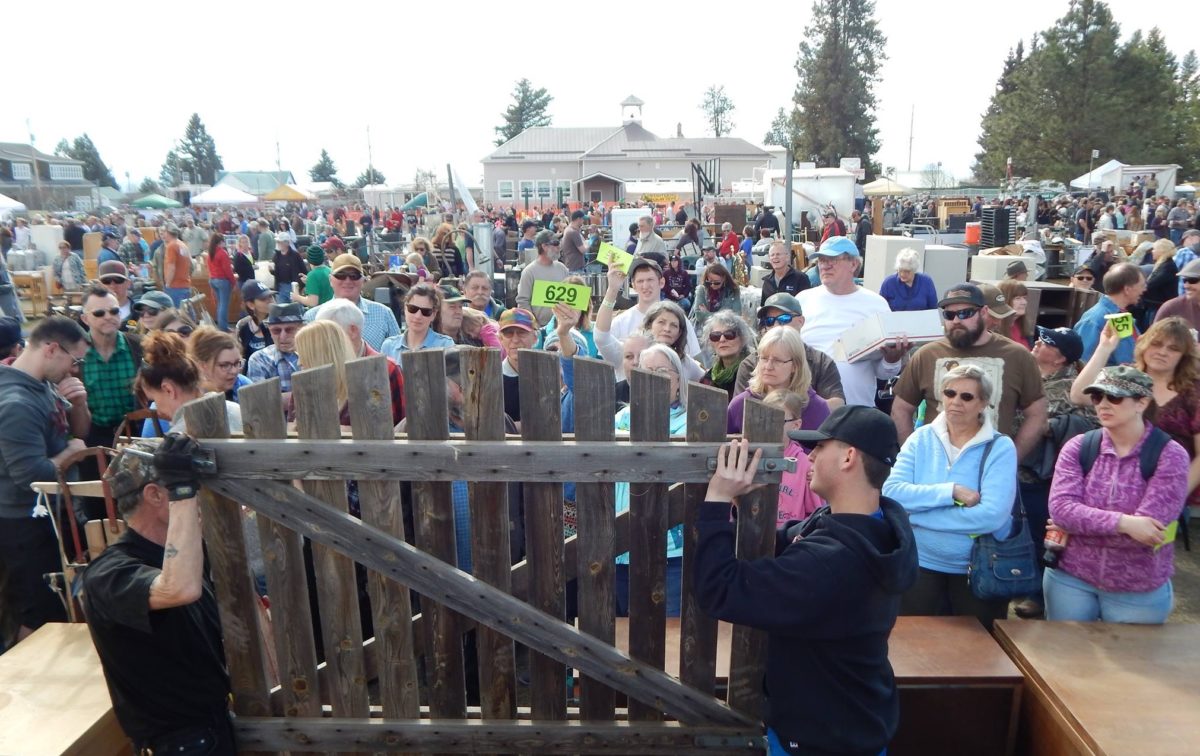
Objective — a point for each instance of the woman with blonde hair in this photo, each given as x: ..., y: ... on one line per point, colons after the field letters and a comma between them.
x: 323, y: 342
x: 1162, y: 283
x: 782, y: 365
x: 446, y: 257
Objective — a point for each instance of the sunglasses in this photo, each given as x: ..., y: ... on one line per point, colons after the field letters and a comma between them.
x: 1099, y: 396
x: 771, y: 320
x: 355, y: 276
x: 717, y: 336
x: 150, y: 311
x: 1190, y: 280
x: 966, y: 314
x: 114, y: 311
x: 114, y: 281
x: 966, y: 396
x: 714, y: 284
x: 183, y: 331
x: 413, y: 310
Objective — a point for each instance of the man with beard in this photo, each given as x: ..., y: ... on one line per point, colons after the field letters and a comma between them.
x: 967, y: 339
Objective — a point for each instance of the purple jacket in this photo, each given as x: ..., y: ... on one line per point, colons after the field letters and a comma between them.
x: 812, y: 417
x: 1089, y: 509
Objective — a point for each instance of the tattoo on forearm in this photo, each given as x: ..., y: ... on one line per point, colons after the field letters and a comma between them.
x: 170, y: 551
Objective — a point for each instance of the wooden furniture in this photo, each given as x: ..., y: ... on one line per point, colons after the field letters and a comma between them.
x: 31, y: 291
x: 1098, y: 688
x: 53, y: 699
x: 959, y: 692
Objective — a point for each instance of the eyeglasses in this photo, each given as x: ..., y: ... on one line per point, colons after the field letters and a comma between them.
x: 966, y: 314
x: 183, y: 331
x: 354, y: 276
x: 662, y: 371
x: 1099, y: 396
x: 75, y: 361
x: 773, y: 361
x: 230, y: 367
x: 781, y: 319
x: 1191, y: 281
x: 114, y: 311
x: 717, y: 336
x: 413, y: 310
x: 966, y: 396
x: 714, y: 284
x: 514, y: 332
x: 826, y: 260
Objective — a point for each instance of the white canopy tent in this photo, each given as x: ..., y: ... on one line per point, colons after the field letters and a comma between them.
x: 224, y: 194
x: 1116, y: 175
x: 8, y: 204
x: 883, y: 186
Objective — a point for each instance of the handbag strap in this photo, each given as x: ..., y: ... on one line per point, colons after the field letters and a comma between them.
x: 1018, y: 507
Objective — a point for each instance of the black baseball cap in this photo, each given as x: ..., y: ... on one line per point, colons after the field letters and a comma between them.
x: 255, y: 289
x: 963, y: 293
x: 865, y: 428
x: 1065, y: 340
x: 10, y: 333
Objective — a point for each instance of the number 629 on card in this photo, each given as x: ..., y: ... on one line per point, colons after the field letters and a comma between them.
x: 550, y: 293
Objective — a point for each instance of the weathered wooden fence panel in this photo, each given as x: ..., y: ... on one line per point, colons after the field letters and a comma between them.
x: 433, y: 522
x: 541, y: 420
x: 483, y: 416
x: 314, y: 392
x: 283, y: 561
x: 649, y: 392
x: 595, y: 514
x: 707, y: 407
x: 391, y: 608
x: 755, y: 538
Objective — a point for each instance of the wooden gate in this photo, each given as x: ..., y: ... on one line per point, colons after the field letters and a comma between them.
x: 403, y: 689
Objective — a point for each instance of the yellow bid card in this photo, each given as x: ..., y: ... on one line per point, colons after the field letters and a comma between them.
x: 1169, y: 534
x: 550, y: 293
x: 614, y: 257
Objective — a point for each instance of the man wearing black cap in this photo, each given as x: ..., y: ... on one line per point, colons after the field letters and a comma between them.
x: 11, y: 341
x: 829, y: 598
x: 279, y: 358
x: 109, y: 245
x: 545, y: 268
x: 152, y: 612
x: 967, y: 339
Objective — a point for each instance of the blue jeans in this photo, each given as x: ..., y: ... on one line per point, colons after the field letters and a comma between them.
x: 1176, y: 235
x: 283, y: 293
x: 177, y: 295
x: 1070, y: 599
x: 223, y: 288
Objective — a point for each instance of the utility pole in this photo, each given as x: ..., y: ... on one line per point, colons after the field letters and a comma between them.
x: 370, y: 162
x: 911, y: 119
x: 277, y: 160
x: 37, y: 178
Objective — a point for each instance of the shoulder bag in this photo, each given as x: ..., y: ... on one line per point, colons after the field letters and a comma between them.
x: 1004, y: 569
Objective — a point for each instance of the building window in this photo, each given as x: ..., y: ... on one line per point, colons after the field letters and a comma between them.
x: 504, y: 190
x: 564, y: 186
x: 84, y: 202
x: 22, y: 171
x: 527, y: 190
x: 66, y: 173
x: 543, y: 189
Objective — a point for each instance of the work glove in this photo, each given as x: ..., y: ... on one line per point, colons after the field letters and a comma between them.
x: 175, y: 468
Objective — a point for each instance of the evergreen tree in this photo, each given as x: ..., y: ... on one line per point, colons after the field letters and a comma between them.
x: 370, y: 176
x: 835, y: 104
x: 200, y: 151
x: 717, y: 108
x: 1187, y: 115
x: 1150, y: 87
x: 173, y: 168
x: 324, y: 170
x: 528, y: 110
x: 149, y: 186
x: 84, y: 150
x: 782, y: 129
x: 999, y: 130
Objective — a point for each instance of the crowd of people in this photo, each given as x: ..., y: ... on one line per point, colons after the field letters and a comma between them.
x: 979, y: 419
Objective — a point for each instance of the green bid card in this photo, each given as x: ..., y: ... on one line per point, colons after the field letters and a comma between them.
x: 550, y: 293
x: 614, y: 257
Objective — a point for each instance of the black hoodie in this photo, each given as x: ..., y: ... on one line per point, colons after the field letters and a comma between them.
x: 828, y: 602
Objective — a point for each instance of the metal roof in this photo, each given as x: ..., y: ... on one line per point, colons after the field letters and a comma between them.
x: 631, y: 141
x: 257, y: 183
x: 18, y: 151
x: 552, y: 143
x: 631, y: 100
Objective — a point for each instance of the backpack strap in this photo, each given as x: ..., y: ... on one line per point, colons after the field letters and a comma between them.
x: 1089, y: 450
x: 1151, y: 451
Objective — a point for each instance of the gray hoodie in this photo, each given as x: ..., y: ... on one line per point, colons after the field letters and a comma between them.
x: 33, y: 428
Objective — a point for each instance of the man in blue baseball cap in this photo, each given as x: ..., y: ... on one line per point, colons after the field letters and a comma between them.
x: 836, y: 305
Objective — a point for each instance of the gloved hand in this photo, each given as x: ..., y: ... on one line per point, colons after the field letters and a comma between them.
x: 174, y: 466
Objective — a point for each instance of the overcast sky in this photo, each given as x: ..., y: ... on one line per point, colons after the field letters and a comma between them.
x: 438, y: 79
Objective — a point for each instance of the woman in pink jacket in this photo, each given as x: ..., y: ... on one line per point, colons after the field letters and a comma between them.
x: 1119, y: 558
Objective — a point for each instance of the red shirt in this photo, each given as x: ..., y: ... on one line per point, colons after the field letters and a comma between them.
x: 729, y: 245
x: 219, y: 264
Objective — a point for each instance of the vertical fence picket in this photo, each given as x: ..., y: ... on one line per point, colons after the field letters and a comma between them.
x: 483, y: 417
x: 755, y: 539
x: 283, y: 560
x: 433, y: 525
x: 541, y: 414
x: 236, y: 599
x: 707, y: 408
x: 391, y: 609
x: 649, y: 420
x: 595, y: 516
x: 317, y: 417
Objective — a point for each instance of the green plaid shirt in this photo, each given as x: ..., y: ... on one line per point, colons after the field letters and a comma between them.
x: 110, y: 384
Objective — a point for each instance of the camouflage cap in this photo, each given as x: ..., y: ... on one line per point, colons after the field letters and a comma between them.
x: 128, y: 474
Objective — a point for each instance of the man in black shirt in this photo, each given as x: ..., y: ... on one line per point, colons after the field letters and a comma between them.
x: 783, y: 277
x: 152, y: 614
